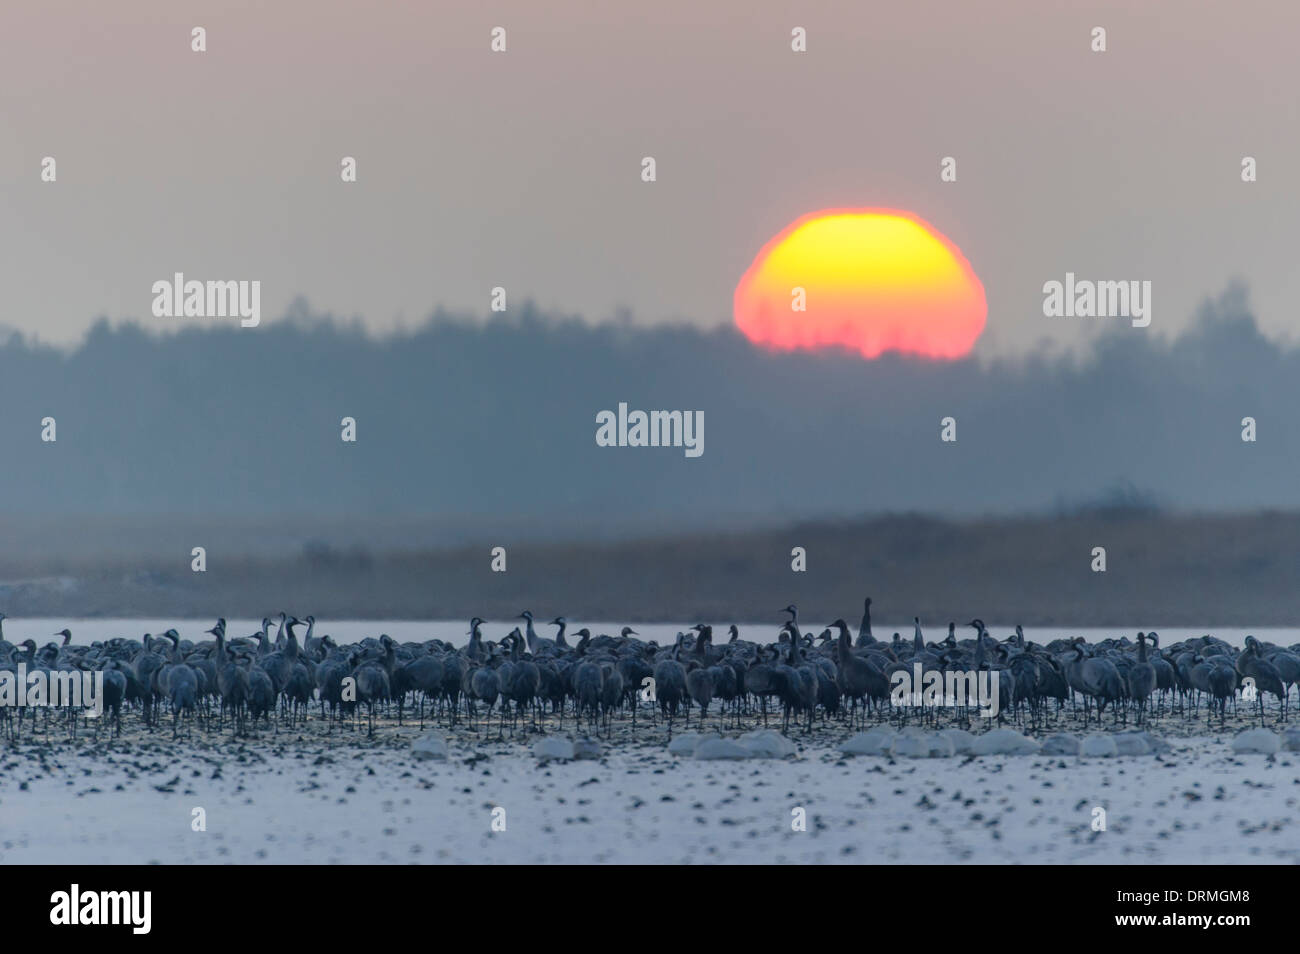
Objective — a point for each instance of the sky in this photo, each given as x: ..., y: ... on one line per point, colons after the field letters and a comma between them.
x: 522, y: 169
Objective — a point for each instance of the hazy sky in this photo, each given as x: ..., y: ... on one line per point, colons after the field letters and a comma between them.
x: 522, y: 169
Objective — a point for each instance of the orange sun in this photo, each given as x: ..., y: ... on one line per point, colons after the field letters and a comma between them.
x: 872, y: 280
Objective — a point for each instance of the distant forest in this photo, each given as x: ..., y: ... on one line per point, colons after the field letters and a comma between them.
x: 490, y: 426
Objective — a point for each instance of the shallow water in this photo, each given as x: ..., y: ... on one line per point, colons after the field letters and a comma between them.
x: 85, y: 631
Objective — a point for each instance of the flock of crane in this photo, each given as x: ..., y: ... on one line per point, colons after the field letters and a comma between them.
x: 525, y: 677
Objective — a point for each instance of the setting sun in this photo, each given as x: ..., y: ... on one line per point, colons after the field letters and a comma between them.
x: 871, y: 280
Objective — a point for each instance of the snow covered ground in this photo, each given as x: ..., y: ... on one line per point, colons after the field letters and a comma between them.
x: 360, y: 801
x: 316, y: 794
